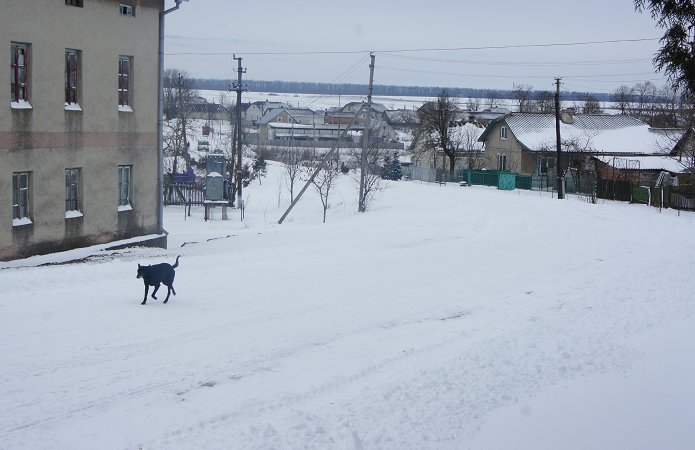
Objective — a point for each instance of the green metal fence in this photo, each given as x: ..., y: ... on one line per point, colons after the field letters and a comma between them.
x: 499, y: 179
x: 524, y: 182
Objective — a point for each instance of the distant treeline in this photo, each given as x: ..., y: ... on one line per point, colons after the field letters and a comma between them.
x: 304, y: 87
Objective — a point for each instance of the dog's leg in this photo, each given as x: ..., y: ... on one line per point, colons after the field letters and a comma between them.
x: 147, y: 288
x: 168, y: 293
x: 156, y: 288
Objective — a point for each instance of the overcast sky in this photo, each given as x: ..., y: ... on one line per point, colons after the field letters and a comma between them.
x: 347, y: 31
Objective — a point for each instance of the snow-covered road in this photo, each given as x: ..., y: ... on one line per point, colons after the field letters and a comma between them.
x: 443, y: 318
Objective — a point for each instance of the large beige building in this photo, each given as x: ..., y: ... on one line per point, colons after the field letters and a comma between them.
x: 78, y: 124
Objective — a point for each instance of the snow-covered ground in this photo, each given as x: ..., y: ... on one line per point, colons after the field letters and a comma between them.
x: 321, y: 101
x: 443, y: 318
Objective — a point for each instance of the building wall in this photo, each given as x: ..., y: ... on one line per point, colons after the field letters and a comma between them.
x: 511, y: 147
x: 47, y: 139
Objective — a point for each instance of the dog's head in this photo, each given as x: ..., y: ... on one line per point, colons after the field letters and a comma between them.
x: 141, y: 271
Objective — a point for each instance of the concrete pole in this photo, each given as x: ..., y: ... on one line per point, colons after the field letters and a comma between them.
x: 560, y: 193
x: 362, y: 206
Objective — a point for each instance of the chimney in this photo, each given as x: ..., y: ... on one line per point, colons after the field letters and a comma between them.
x: 567, y: 116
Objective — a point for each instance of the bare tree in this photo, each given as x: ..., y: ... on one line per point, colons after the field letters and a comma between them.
x: 644, y: 95
x: 666, y: 112
x: 294, y: 160
x: 435, y: 120
x: 473, y: 104
x: 373, y: 182
x: 324, y: 181
x: 465, y: 140
x: 685, y: 152
x: 622, y: 97
x: 169, y: 92
x: 591, y: 105
x: 543, y: 102
x: 492, y: 98
x: 522, y: 94
x: 178, y: 128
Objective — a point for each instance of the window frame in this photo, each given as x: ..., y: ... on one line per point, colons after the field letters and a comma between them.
x: 125, y: 179
x: 21, y: 197
x: 545, y: 163
x: 76, y: 3
x: 72, y: 77
x: 501, y: 162
x: 503, y: 133
x: 73, y: 191
x: 124, y: 83
x: 126, y: 9
x: 19, y: 73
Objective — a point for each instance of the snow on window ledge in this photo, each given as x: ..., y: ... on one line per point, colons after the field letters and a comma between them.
x: 124, y: 108
x: 73, y: 107
x: 125, y: 208
x: 73, y: 214
x: 21, y: 222
x: 22, y: 104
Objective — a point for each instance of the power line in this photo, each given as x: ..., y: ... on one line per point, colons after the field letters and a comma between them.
x: 521, y: 63
x: 415, y: 50
x: 509, y: 76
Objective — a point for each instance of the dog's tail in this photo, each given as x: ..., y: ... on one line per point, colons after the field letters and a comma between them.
x: 176, y: 264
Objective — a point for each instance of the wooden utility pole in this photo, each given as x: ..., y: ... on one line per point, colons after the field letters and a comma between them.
x: 362, y: 205
x: 237, y: 136
x: 560, y: 193
x: 321, y: 164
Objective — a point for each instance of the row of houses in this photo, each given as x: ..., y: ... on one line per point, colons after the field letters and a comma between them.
x: 276, y: 123
x: 526, y: 143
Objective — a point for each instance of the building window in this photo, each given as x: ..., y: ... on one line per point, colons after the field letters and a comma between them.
x: 503, y: 133
x: 78, y: 3
x: 544, y: 164
x: 125, y: 187
x: 72, y: 77
x: 127, y: 10
x: 20, y: 198
x: 124, y: 75
x: 19, y: 73
x: 501, y: 162
x: 72, y: 193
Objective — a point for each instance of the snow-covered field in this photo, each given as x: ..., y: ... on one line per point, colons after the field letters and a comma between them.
x: 320, y: 101
x: 443, y: 318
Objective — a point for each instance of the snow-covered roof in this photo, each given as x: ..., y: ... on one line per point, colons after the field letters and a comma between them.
x: 402, y: 117
x: 596, y: 133
x: 301, y: 126
x: 266, y: 104
x: 207, y: 108
x: 352, y: 107
x: 295, y: 113
x: 667, y: 163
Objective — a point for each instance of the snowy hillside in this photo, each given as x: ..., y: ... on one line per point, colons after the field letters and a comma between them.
x: 443, y: 318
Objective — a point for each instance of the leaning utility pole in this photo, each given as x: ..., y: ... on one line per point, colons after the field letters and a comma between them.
x: 560, y: 193
x: 239, y: 170
x: 322, y: 163
x: 362, y: 204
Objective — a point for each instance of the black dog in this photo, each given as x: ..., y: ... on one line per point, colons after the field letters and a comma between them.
x: 157, y: 274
